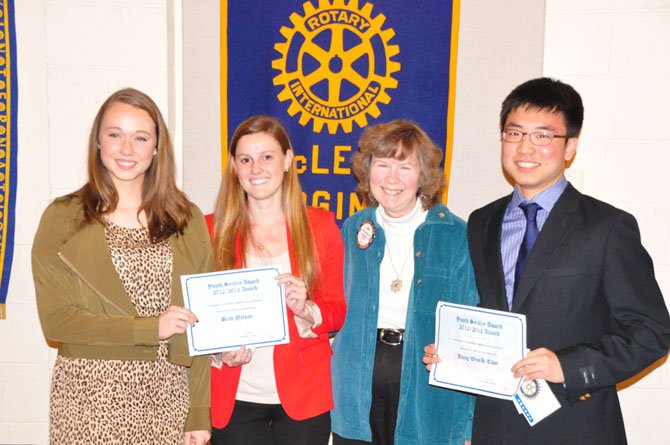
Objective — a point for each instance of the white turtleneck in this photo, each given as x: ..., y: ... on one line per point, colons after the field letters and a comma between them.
x: 399, y: 233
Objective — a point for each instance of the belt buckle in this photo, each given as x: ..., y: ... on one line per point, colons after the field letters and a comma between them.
x: 383, y: 332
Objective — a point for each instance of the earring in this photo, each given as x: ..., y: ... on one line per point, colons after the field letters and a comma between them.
x: 372, y: 198
x: 98, y: 145
x: 155, y: 152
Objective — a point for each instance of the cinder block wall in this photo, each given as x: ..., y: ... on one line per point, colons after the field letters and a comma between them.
x: 615, y: 54
x: 73, y: 53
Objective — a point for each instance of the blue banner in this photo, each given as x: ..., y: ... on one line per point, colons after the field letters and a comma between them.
x: 8, y: 145
x: 327, y: 69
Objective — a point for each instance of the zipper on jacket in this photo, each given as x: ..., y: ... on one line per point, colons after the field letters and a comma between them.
x: 87, y: 283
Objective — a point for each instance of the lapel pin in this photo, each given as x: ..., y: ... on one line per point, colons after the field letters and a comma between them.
x: 365, y: 234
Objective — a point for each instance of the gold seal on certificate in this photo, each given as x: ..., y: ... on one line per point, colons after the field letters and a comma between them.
x: 477, y: 348
x: 535, y: 401
x: 243, y: 307
x: 530, y: 388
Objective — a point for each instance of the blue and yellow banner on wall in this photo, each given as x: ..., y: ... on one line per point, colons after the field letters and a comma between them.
x: 8, y: 145
x: 328, y: 69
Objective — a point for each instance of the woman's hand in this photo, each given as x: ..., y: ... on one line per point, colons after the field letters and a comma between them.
x: 175, y: 320
x: 236, y: 358
x: 295, y: 291
x: 200, y: 437
x: 430, y: 356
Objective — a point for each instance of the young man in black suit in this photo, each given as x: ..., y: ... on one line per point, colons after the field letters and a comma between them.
x: 594, y: 311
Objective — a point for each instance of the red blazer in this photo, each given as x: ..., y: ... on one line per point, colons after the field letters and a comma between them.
x: 302, y: 367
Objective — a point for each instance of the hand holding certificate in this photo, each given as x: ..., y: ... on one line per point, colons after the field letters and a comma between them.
x: 535, y: 401
x: 477, y: 348
x: 244, y: 307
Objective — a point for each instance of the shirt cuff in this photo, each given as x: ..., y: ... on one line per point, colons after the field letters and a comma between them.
x: 304, y: 326
x: 217, y: 361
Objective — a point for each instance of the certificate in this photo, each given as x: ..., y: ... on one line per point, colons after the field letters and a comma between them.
x: 244, y: 307
x: 477, y: 348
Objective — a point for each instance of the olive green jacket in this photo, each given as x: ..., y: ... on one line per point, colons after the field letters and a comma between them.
x: 84, y: 307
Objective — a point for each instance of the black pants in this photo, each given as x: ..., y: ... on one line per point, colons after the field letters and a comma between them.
x: 261, y: 424
x: 385, y: 395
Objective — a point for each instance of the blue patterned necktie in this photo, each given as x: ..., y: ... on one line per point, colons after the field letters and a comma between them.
x: 530, y: 236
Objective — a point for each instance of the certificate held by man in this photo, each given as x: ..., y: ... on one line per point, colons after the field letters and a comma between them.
x: 477, y: 348
x: 243, y: 307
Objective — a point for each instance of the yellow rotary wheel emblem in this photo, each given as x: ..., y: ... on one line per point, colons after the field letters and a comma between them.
x: 336, y: 65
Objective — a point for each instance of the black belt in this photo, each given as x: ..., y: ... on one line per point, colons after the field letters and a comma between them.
x: 392, y: 337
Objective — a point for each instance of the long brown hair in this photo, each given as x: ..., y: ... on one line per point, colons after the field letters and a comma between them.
x: 399, y: 139
x: 232, y: 218
x: 166, y: 207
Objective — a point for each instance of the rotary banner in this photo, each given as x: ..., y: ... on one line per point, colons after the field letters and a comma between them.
x: 8, y: 113
x: 328, y: 69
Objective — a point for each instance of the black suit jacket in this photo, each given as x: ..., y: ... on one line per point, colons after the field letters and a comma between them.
x: 589, y: 294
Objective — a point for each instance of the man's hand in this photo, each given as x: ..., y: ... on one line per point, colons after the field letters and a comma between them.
x: 540, y: 363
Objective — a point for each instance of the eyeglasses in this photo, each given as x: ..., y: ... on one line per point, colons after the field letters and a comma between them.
x: 541, y: 137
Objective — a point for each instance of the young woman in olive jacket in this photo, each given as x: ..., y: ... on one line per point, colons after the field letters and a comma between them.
x: 106, y: 264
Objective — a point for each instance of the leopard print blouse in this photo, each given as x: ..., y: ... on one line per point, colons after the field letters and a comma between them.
x: 123, y: 401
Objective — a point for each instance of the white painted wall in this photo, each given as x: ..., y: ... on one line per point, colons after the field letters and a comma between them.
x: 71, y: 55
x: 484, y: 77
x: 615, y: 53
x: 74, y: 53
x: 202, y: 107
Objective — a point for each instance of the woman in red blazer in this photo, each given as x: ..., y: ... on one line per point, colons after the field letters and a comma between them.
x: 281, y: 394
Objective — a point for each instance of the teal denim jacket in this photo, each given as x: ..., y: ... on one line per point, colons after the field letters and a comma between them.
x: 427, y: 415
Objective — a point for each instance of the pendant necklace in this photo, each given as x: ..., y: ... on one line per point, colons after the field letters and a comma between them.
x: 263, y: 249
x: 396, y: 284
x: 261, y: 257
x: 255, y: 240
x: 259, y: 247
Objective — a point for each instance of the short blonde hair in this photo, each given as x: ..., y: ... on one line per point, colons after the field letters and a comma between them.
x: 399, y: 139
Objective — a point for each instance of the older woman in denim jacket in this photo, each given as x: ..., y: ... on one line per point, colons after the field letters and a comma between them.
x: 403, y: 254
